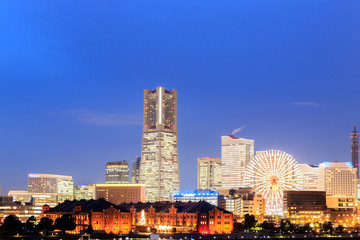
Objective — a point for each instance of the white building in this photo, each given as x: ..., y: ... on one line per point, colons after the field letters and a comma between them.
x: 209, y: 173
x: 236, y: 153
x: 243, y: 201
x: 47, y: 189
x: 337, y: 178
x: 310, y: 175
x: 61, y: 185
x: 86, y: 192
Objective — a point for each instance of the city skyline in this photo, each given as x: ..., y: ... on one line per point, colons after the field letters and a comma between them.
x: 72, y: 98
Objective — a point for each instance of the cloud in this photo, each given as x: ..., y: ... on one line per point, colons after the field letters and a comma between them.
x: 92, y: 117
x: 238, y: 130
x: 312, y: 104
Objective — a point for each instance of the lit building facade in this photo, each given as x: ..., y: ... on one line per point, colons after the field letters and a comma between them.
x: 86, y: 192
x: 20, y: 196
x: 135, y: 171
x: 310, y: 175
x: 119, y: 193
x: 338, y: 178
x: 36, y: 199
x: 106, y: 217
x: 201, y: 217
x: 22, y: 211
x: 236, y: 153
x: 102, y: 215
x: 302, y: 207
x: 196, y: 196
x: 60, y: 185
x: 341, y: 203
x: 209, y: 173
x: 354, y: 138
x: 159, y: 168
x: 117, y: 172
x: 243, y: 201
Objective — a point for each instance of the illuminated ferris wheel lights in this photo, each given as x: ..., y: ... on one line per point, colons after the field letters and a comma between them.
x: 270, y: 173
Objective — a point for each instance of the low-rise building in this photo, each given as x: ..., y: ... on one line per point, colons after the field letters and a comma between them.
x: 209, y: 196
x: 243, y: 201
x: 107, y: 217
x: 119, y: 193
x: 22, y: 211
x: 6, y: 200
x: 302, y: 207
x: 36, y: 199
x: 341, y: 203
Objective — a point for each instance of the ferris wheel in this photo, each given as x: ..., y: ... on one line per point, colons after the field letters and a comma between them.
x: 270, y: 173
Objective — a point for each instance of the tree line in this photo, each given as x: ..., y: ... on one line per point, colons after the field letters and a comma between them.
x: 12, y: 225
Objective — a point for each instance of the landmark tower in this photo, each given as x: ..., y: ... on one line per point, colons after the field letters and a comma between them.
x: 159, y: 167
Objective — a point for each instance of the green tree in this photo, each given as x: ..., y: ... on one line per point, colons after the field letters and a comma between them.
x: 265, y: 226
x: 328, y: 227
x: 89, y: 229
x: 30, y: 223
x: 65, y: 223
x: 340, y: 229
x: 45, y: 224
x: 285, y: 226
x: 12, y: 225
x: 249, y: 221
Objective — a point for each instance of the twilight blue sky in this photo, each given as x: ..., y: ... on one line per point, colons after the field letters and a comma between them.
x: 72, y: 75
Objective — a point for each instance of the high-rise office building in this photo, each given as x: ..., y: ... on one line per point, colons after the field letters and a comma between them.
x: 135, y: 171
x: 337, y: 178
x: 236, y: 153
x: 58, y: 187
x: 310, y: 175
x: 86, y: 192
x: 117, y: 172
x: 355, y: 149
x: 209, y: 173
x: 50, y: 183
x: 159, y: 168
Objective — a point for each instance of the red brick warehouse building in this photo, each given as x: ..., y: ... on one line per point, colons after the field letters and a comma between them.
x: 106, y: 217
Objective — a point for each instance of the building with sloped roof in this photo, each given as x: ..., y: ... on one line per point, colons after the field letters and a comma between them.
x: 106, y: 217
x: 102, y: 215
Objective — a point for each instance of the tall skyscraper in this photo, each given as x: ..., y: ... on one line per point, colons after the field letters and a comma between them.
x: 355, y: 149
x: 209, y: 173
x: 159, y: 168
x: 117, y: 172
x: 236, y: 153
x: 135, y: 171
